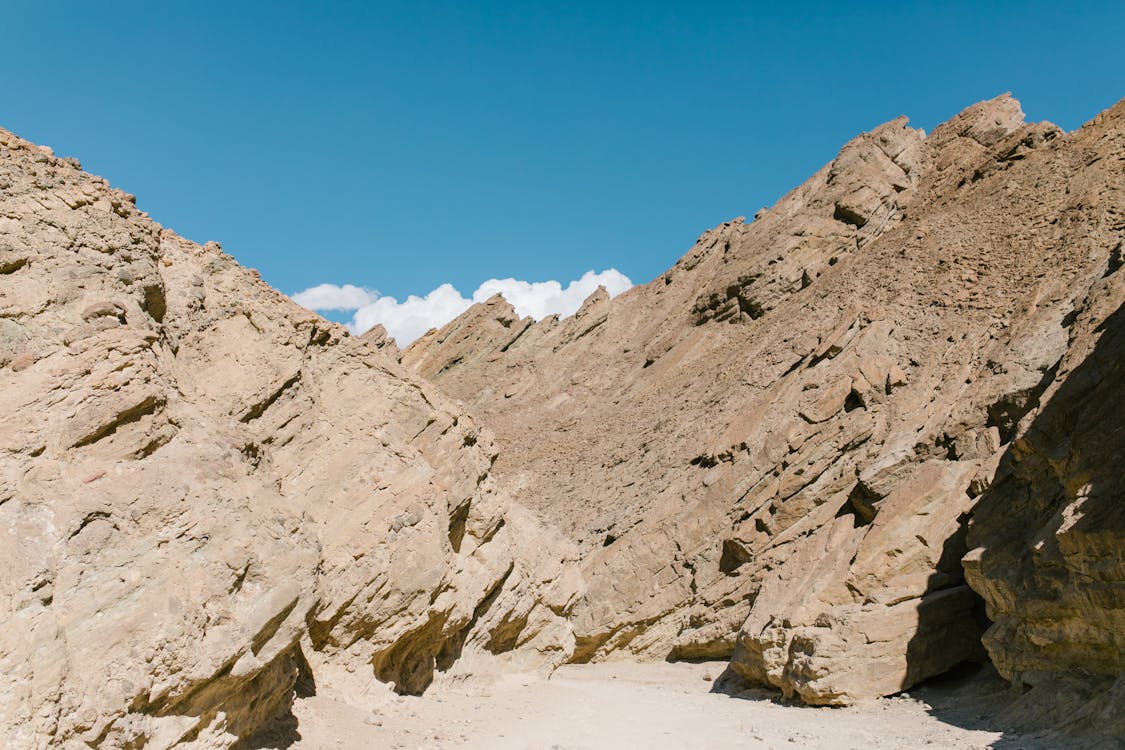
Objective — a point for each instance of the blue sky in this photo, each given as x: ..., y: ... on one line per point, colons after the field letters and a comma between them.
x: 399, y: 146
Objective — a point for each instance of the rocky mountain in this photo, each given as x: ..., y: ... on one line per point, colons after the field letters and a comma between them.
x: 781, y: 450
x: 209, y: 496
x: 848, y: 445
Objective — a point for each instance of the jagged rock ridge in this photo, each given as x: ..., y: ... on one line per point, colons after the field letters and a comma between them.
x: 208, y: 494
x: 772, y: 452
x: 778, y: 452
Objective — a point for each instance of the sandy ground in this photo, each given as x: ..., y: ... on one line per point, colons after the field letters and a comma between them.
x: 652, y: 706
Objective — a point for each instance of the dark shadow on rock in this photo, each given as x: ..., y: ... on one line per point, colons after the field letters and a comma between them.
x: 279, y: 734
x: 256, y: 710
x: 976, y: 697
x: 951, y: 619
x: 973, y: 696
x: 1049, y: 541
x: 730, y: 684
x: 305, y: 686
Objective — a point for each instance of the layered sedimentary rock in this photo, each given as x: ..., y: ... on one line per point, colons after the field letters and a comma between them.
x: 772, y: 451
x: 208, y: 494
x: 811, y: 447
x: 1047, y: 538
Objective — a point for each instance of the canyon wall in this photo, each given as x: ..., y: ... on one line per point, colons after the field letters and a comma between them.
x: 773, y: 451
x: 847, y: 445
x: 209, y: 496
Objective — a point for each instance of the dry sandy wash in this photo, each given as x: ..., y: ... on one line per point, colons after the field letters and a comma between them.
x: 661, y: 706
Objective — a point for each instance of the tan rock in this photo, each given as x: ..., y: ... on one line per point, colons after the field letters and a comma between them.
x: 199, y: 493
x: 848, y: 367
x: 211, y: 498
x: 1046, y: 537
x: 378, y: 337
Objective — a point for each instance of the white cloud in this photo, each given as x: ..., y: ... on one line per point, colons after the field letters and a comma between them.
x: 409, y: 319
x: 543, y: 298
x: 332, y: 297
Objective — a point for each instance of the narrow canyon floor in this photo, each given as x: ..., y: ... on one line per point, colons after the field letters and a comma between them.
x: 654, y: 706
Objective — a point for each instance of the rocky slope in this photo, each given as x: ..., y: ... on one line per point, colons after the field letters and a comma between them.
x: 1048, y: 537
x: 772, y: 452
x: 835, y: 446
x: 209, y: 496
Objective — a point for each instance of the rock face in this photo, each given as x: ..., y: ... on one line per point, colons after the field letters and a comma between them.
x: 830, y: 445
x: 772, y: 452
x: 209, y: 496
x: 1048, y: 536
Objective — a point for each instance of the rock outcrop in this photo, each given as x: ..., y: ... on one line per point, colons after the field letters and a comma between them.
x: 209, y: 496
x: 1047, y: 538
x: 836, y: 445
x: 772, y: 452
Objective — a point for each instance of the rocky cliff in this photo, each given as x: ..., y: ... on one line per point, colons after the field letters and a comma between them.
x: 868, y: 435
x: 209, y: 496
x: 1047, y: 538
x: 774, y: 451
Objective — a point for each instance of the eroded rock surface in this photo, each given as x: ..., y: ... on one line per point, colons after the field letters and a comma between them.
x: 771, y: 452
x: 810, y: 448
x: 1047, y: 538
x: 208, y: 494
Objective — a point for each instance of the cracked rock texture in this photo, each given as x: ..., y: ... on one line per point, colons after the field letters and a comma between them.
x: 209, y: 496
x: 1048, y: 536
x: 772, y: 452
x: 873, y: 433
